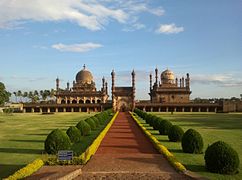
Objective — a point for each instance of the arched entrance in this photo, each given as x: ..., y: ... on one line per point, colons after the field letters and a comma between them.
x: 123, y: 105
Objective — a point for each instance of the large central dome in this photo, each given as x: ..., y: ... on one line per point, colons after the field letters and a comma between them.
x: 167, y: 77
x: 84, y: 76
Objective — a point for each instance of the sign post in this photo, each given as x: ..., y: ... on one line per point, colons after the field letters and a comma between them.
x: 65, y: 155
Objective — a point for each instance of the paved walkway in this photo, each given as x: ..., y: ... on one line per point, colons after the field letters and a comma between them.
x: 125, y: 153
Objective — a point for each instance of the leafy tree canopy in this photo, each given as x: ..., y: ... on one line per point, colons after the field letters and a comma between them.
x: 4, y: 95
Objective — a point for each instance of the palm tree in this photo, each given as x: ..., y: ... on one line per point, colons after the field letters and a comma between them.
x: 30, y: 95
x: 19, y: 93
x: 15, y: 94
x: 25, y: 95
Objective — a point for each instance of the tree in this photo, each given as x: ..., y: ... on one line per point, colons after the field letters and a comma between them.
x: 4, y: 95
x: 15, y: 94
x: 19, y: 93
x: 25, y: 95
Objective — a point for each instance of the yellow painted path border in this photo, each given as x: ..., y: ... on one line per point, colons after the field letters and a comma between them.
x: 162, y: 149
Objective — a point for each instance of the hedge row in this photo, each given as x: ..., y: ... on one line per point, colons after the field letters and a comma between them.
x: 219, y: 157
x: 58, y: 140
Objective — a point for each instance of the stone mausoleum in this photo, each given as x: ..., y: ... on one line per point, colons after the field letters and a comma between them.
x: 168, y: 93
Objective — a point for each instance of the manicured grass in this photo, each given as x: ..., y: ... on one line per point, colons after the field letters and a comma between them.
x: 213, y: 127
x: 22, y: 136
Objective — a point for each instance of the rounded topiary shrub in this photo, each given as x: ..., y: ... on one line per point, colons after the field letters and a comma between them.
x: 74, y: 134
x: 149, y: 119
x: 192, y: 142
x: 221, y: 158
x: 91, y: 122
x: 84, y: 128
x: 164, y: 127
x: 156, y: 123
x: 96, y: 120
x: 57, y: 140
x: 175, y: 134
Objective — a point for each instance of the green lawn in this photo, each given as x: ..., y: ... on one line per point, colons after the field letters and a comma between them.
x: 213, y: 127
x: 22, y: 136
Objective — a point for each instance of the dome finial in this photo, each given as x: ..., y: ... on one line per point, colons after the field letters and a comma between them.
x: 84, y: 66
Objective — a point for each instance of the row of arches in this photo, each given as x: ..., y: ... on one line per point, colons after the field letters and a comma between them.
x: 63, y: 101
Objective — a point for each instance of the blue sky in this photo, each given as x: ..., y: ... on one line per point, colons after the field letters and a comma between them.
x: 43, y: 39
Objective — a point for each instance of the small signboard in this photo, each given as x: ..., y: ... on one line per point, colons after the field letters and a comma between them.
x: 65, y: 155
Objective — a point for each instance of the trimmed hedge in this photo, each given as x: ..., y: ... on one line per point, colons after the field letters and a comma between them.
x: 96, y: 120
x: 156, y: 122
x: 162, y: 149
x: 84, y: 128
x: 221, y: 158
x: 74, y: 134
x: 192, y: 142
x: 91, y: 122
x: 164, y: 127
x: 175, y: 134
x: 57, y: 140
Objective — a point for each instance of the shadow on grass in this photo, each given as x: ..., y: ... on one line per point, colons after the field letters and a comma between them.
x: 20, y: 140
x: 176, y: 150
x: 195, y: 168
x: 8, y: 169
x: 41, y: 134
x: 21, y: 151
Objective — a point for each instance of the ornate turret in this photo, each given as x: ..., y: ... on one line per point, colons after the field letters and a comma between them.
x: 57, y: 84
x: 133, y: 90
x: 103, y: 84
x: 182, y: 81
x: 113, y: 90
x: 156, y: 76
x: 68, y: 86
x: 150, y: 81
x: 188, y: 81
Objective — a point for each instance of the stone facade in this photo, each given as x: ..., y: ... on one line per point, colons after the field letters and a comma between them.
x: 168, y: 89
x: 83, y: 91
x: 123, y: 98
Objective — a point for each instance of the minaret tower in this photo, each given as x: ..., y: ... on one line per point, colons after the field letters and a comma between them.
x: 103, y: 84
x: 57, y: 84
x: 133, y: 88
x: 156, y: 76
x: 188, y: 81
x: 150, y: 82
x: 113, y: 89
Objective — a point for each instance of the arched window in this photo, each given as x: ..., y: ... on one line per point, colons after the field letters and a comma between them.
x: 88, y: 101
x: 81, y: 101
x: 93, y: 101
x: 63, y: 101
x: 98, y: 101
x: 68, y: 101
x: 74, y: 101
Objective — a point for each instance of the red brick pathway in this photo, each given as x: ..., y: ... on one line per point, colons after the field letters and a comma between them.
x: 126, y: 153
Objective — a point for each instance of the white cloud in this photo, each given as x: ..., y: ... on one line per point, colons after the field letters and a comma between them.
x: 90, y: 14
x: 222, y: 80
x: 169, y: 29
x: 76, y: 47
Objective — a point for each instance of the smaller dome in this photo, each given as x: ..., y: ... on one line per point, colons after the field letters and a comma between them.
x: 84, y: 76
x: 167, y: 77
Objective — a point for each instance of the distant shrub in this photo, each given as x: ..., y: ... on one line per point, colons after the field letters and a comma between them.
x: 149, y: 119
x: 192, y: 142
x: 96, y: 120
x: 175, y: 134
x: 221, y: 158
x: 57, y: 140
x: 91, y: 122
x: 156, y: 122
x: 164, y: 127
x: 84, y: 128
x: 74, y: 134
